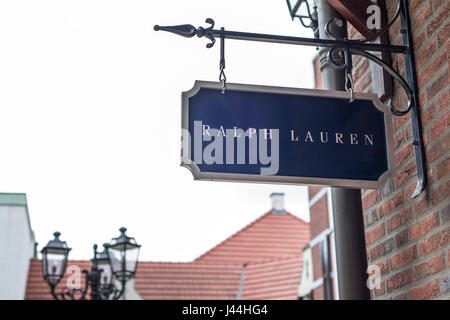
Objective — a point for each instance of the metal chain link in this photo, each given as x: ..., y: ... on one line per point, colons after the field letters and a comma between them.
x: 349, y: 86
x: 222, y: 77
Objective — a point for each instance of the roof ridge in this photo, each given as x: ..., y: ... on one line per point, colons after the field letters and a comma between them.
x: 233, y: 235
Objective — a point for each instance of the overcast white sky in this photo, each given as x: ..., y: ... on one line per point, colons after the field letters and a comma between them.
x: 87, y: 90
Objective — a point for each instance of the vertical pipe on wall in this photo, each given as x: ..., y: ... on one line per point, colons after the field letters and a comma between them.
x: 347, y: 205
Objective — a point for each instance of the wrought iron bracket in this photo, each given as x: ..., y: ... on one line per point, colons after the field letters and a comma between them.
x: 361, y: 47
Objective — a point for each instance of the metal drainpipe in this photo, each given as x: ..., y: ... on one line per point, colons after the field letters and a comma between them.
x: 347, y: 206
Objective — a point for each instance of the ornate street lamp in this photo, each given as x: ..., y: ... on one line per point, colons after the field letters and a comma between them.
x: 54, y: 260
x: 117, y: 261
x: 307, y: 17
x: 104, y: 265
x: 123, y: 253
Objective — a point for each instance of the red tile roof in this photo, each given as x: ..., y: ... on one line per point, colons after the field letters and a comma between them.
x: 37, y: 288
x: 272, y: 236
x: 270, y: 248
x: 189, y: 281
x: 273, y: 280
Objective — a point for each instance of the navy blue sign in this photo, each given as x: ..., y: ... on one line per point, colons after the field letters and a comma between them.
x: 286, y: 135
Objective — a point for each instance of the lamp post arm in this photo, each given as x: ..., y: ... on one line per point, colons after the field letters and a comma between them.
x: 54, y: 294
x: 69, y: 293
x: 119, y: 294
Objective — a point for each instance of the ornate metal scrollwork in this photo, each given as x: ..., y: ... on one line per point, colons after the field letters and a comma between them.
x: 71, y: 293
x: 103, y: 292
x: 188, y: 31
x: 381, y: 63
x: 364, y: 53
x: 409, y: 85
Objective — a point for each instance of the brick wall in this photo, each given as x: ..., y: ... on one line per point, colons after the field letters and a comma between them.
x: 319, y: 224
x: 409, y: 238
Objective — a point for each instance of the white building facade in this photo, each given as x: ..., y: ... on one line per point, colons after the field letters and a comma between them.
x: 17, y: 245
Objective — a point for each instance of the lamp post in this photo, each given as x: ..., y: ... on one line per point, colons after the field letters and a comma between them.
x: 117, y: 261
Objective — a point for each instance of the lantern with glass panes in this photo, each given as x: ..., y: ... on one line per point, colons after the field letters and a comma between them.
x: 306, y: 12
x: 116, y: 264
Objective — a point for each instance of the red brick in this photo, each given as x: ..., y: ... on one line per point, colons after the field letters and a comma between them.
x: 438, y: 85
x: 316, y: 262
x: 390, y: 205
x: 426, y: 291
x: 424, y: 55
x: 403, y: 258
x: 318, y: 293
x: 374, y: 234
x: 435, y: 66
x: 422, y: 96
x: 402, y: 119
x: 351, y: 32
x: 401, y: 238
x: 363, y: 84
x: 313, y: 190
x: 403, y: 154
x: 442, y: 169
x: 434, y: 243
x: 384, y: 267
x: 440, y: 125
x: 431, y: 266
x: 445, y: 214
x: 405, y: 174
x: 438, y: 3
x: 424, y: 13
x: 421, y: 205
x: 381, y: 249
x: 381, y: 291
x: 443, y: 101
x: 370, y: 199
x: 361, y: 69
x: 319, y: 216
x: 371, y: 217
x: 398, y: 139
x: 443, y: 35
x: 430, y: 176
x: 440, y: 194
x: 438, y: 149
x: 399, y: 280
x: 413, y: 7
x: 419, y: 40
x: 438, y: 20
x: 427, y: 115
x: 424, y: 226
x: 399, y: 219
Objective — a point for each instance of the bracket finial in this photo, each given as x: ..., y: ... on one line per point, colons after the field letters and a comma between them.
x: 188, y: 31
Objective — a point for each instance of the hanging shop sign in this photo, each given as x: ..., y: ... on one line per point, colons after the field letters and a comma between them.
x: 251, y: 133
x: 310, y: 163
